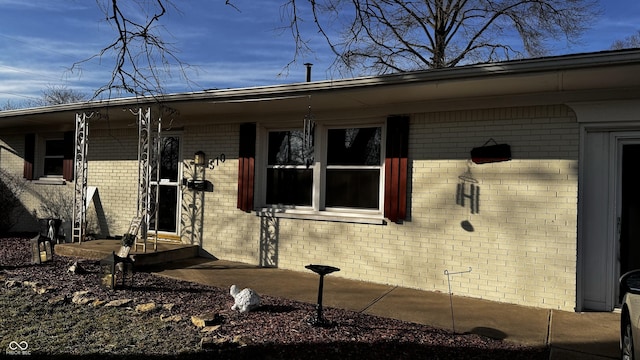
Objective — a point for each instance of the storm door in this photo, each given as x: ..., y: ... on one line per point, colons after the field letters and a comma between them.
x: 166, y: 187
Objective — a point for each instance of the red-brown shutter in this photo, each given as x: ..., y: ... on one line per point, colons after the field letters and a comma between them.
x: 396, y: 167
x: 246, y: 166
x: 29, y: 155
x: 67, y: 162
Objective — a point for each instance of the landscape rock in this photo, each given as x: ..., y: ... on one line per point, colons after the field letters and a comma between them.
x: 98, y: 303
x: 42, y: 290
x: 209, y: 343
x: 60, y: 299
x: 143, y: 308
x: 209, y: 329
x: 207, y: 319
x: 32, y: 284
x: 225, y: 342
x: 171, y: 318
x: 82, y: 300
x: 82, y: 297
x: 118, y: 303
x: 12, y: 283
x: 241, y: 340
x: 80, y: 293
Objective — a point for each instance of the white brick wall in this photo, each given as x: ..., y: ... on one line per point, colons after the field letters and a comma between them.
x: 10, y: 149
x: 522, y: 248
x: 112, y: 157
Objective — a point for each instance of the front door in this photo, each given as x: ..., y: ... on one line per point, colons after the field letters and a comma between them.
x: 166, y: 188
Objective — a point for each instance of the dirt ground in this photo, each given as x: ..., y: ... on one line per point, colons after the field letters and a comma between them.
x: 47, y: 311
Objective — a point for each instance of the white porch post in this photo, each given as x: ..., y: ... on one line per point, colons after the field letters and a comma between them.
x: 80, y: 178
x: 148, y: 165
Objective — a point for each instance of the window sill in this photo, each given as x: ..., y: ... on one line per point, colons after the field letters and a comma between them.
x: 49, y: 181
x: 323, y: 216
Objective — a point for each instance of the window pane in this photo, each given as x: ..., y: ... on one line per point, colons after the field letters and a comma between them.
x: 285, y: 148
x: 53, y: 166
x: 54, y: 148
x: 169, y: 153
x: 356, y: 146
x: 289, y: 186
x: 353, y: 188
x: 166, y: 208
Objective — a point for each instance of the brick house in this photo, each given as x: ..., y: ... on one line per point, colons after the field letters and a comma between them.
x: 386, y: 189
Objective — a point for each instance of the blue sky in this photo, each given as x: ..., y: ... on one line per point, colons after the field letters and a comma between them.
x: 226, y: 48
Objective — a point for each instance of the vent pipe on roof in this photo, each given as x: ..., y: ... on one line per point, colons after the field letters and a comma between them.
x: 308, y: 65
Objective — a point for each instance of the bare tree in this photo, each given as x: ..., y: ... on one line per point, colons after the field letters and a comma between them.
x: 59, y: 94
x: 381, y: 36
x: 366, y: 36
x: 630, y: 42
x: 52, y: 95
x: 9, y: 105
x: 142, y: 56
x: 138, y: 50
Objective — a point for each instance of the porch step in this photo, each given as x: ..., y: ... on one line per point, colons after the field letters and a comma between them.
x: 99, y: 249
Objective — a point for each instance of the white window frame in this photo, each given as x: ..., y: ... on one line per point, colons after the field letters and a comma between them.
x: 39, y: 159
x: 318, y: 211
x: 266, y: 166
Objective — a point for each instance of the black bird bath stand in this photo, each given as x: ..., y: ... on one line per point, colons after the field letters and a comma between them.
x: 321, y: 270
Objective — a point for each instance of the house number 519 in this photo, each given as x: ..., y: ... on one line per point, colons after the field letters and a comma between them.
x: 216, y: 161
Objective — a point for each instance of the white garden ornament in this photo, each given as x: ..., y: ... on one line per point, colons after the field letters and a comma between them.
x: 245, y: 299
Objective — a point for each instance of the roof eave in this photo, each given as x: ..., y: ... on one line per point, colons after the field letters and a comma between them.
x: 296, y: 90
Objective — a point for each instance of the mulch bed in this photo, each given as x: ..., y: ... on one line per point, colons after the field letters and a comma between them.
x: 40, y: 316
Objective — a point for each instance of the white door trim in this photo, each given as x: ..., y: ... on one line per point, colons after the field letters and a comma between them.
x: 598, y: 209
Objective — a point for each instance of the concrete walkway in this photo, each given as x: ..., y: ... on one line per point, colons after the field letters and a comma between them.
x: 570, y: 335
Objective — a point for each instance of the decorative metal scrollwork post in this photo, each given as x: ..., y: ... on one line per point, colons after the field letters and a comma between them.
x: 155, y: 171
x: 80, y: 177
x: 148, y: 168
x: 144, y: 172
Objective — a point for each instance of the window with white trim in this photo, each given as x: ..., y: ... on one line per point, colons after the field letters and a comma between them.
x: 353, y: 171
x: 289, y: 176
x: 49, y: 156
x: 339, y: 183
x: 54, y: 151
x: 343, y: 173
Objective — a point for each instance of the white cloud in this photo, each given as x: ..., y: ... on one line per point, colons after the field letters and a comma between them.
x: 46, y: 5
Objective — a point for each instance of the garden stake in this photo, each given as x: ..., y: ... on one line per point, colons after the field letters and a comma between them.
x: 446, y: 272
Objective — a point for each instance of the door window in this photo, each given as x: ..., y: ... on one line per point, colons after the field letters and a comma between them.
x: 167, y: 188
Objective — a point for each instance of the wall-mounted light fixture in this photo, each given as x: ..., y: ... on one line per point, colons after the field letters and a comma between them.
x: 198, y: 158
x: 196, y: 182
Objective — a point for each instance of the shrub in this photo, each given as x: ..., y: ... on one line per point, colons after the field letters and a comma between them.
x: 11, y: 208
